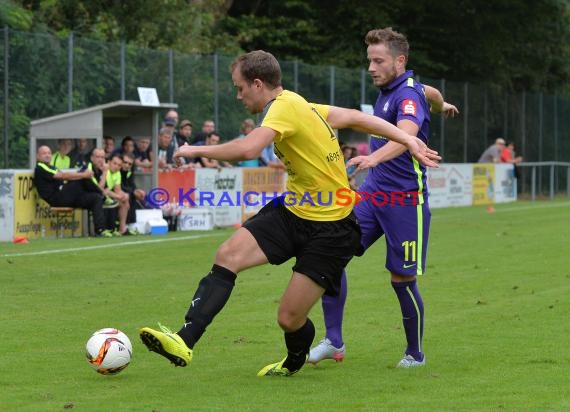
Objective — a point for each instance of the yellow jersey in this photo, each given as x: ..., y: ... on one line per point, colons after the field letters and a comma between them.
x: 317, y: 183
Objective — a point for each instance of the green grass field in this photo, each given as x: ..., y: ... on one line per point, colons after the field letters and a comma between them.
x: 497, y: 297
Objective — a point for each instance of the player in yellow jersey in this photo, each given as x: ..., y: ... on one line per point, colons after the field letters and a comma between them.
x: 320, y: 233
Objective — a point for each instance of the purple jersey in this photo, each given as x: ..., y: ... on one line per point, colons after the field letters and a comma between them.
x: 404, y: 98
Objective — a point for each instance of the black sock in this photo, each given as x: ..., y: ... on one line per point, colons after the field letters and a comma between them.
x: 213, y: 292
x: 298, y: 346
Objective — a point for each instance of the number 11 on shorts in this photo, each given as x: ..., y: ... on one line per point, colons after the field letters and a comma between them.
x: 409, y: 249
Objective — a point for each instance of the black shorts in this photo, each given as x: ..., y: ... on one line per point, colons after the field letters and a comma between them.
x: 322, y: 249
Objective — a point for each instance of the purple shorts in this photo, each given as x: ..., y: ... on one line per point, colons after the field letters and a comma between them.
x: 406, y: 229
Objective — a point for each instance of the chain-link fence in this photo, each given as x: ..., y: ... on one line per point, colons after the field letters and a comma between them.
x: 44, y: 75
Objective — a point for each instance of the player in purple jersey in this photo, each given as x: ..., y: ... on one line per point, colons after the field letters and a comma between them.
x: 405, y: 223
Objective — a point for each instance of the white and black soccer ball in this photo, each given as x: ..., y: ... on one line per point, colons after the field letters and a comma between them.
x: 109, y: 351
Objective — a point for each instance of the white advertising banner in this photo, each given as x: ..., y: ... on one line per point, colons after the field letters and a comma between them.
x: 7, y: 188
x: 505, y: 183
x: 220, y: 191
x: 450, y: 185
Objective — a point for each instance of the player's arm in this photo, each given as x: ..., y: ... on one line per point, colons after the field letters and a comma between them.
x: 86, y: 174
x: 341, y: 118
x: 247, y: 148
x: 387, y: 152
x: 437, y: 104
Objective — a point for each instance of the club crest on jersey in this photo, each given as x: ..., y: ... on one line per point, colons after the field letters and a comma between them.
x: 385, y: 108
x: 409, y: 107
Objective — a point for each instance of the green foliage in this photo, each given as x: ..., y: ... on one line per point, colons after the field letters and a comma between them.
x: 12, y: 15
x: 493, y: 333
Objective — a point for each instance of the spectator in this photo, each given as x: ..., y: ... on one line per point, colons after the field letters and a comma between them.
x: 493, y: 153
x: 143, y: 153
x: 269, y: 158
x: 127, y: 147
x: 61, y: 160
x: 348, y: 153
x: 170, y: 119
x: 207, y: 127
x: 64, y: 189
x: 184, y: 132
x: 108, y: 146
x: 80, y: 153
x: 213, y: 138
x: 246, y: 127
x: 136, y: 195
x: 165, y: 149
x: 113, y: 190
x: 508, y: 156
x: 98, y: 167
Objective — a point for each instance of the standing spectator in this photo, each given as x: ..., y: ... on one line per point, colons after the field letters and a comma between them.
x: 246, y: 127
x: 493, y: 153
x: 64, y: 189
x: 508, y: 156
x: 268, y: 158
x: 212, y: 139
x: 165, y: 149
x: 184, y: 132
x: 80, y: 153
x: 136, y: 195
x: 61, y: 160
x: 143, y: 153
x: 108, y: 146
x: 207, y: 127
x: 348, y: 153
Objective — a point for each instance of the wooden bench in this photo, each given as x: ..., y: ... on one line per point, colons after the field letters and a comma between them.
x: 60, y: 214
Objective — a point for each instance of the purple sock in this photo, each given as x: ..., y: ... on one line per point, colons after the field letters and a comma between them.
x: 333, y: 311
x: 412, y: 307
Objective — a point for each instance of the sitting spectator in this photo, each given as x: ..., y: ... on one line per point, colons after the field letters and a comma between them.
x: 247, y: 126
x: 213, y: 138
x: 493, y: 153
x: 207, y: 127
x: 80, y: 153
x: 113, y: 190
x: 64, y: 189
x: 97, y: 167
x: 61, y: 160
x: 108, y: 146
x: 165, y: 149
x: 143, y: 153
x: 136, y: 196
x: 127, y: 147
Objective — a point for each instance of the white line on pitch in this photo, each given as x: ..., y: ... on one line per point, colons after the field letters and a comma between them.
x: 111, y: 245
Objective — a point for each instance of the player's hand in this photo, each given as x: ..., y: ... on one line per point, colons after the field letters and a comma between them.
x: 449, y: 110
x: 361, y: 163
x: 183, y: 151
x: 424, y: 155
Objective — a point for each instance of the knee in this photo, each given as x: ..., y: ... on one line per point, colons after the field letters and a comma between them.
x: 289, y: 320
x: 227, y: 256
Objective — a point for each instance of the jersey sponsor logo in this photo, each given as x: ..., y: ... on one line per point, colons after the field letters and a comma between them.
x: 409, y: 107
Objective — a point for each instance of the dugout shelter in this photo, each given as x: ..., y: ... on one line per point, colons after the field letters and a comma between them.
x: 118, y: 119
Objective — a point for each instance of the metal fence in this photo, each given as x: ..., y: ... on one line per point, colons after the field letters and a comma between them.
x: 44, y: 75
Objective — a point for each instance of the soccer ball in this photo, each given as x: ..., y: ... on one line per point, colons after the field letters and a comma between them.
x: 109, y: 351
